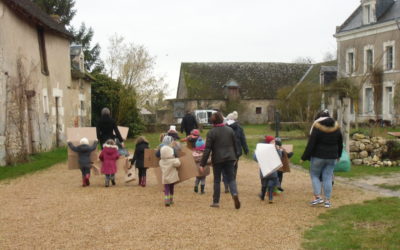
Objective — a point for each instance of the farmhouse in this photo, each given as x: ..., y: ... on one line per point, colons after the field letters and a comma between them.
x: 40, y: 95
x: 369, y: 42
x: 249, y: 88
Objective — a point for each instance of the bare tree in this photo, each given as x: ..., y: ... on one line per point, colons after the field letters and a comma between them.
x: 134, y: 66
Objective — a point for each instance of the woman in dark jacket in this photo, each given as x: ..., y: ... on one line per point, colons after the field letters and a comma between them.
x: 138, y: 157
x: 221, y: 143
x: 106, y: 128
x: 323, y: 149
x: 240, y: 141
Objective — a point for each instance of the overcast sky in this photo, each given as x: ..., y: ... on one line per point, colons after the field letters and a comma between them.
x: 176, y: 31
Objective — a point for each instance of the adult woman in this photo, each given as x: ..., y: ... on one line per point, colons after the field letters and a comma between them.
x: 221, y: 142
x: 107, y: 128
x: 323, y: 149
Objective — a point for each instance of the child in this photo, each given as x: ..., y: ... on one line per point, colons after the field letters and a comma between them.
x: 84, y: 151
x: 138, y: 157
x: 271, y: 181
x: 197, y: 155
x: 109, y: 157
x: 169, y: 165
x: 173, y: 133
x: 192, y: 138
x: 285, y: 156
x: 169, y: 141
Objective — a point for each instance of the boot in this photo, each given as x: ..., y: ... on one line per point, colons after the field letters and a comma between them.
x: 171, y: 199
x: 140, y: 181
x: 262, y: 194
x: 236, y: 201
x: 196, y: 189
x: 87, y: 177
x: 202, y: 189
x: 113, y: 180
x: 226, y: 188
x: 84, y: 182
x: 167, y: 201
x: 107, y: 182
x: 143, y: 181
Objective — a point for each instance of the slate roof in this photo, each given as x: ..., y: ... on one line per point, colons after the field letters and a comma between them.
x: 389, y: 11
x: 33, y: 14
x: 256, y: 80
x: 314, y: 75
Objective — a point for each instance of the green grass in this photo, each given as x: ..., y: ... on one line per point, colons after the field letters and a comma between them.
x: 36, y: 162
x: 372, y: 225
x: 390, y: 187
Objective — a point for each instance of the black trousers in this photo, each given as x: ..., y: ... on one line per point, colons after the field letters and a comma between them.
x: 142, y: 172
x: 85, y: 171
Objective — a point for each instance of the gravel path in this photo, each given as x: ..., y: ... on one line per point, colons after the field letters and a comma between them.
x: 50, y: 210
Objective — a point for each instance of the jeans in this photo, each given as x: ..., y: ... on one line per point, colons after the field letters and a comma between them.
x: 228, y: 168
x: 235, y: 169
x: 325, y: 167
x: 201, y: 180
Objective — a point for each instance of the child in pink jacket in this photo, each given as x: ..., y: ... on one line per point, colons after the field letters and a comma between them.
x: 109, y: 157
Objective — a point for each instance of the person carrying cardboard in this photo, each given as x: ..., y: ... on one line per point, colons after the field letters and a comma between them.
x: 84, y: 151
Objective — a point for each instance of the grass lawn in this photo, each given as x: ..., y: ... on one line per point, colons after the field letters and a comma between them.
x: 372, y: 225
x: 390, y: 187
x: 36, y: 162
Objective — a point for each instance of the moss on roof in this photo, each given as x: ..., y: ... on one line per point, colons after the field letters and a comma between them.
x: 256, y: 80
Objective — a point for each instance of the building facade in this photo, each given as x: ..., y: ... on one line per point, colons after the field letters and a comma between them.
x: 368, y: 47
x: 38, y: 97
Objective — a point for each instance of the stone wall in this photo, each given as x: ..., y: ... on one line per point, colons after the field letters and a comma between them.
x: 365, y: 150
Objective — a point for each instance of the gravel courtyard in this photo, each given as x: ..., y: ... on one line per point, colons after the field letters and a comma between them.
x: 50, y: 210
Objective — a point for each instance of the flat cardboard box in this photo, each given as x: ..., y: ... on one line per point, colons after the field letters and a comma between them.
x: 268, y: 159
x: 123, y: 131
x: 186, y: 171
x: 74, y: 135
x: 288, y: 147
x: 150, y: 159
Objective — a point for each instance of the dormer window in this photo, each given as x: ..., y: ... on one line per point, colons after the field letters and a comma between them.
x: 367, y: 14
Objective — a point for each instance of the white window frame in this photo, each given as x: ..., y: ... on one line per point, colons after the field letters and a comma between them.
x: 348, y: 51
x: 385, y: 108
x: 45, y: 94
x: 367, y: 17
x: 385, y: 45
x: 365, y: 112
x: 366, y: 48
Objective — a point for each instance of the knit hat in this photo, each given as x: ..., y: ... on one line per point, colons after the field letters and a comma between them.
x: 195, y: 132
x: 278, y: 141
x: 172, y: 128
x: 269, y: 138
x: 84, y: 140
x: 232, y: 116
x: 200, y: 145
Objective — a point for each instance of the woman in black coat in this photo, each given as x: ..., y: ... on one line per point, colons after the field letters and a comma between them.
x: 221, y: 144
x: 138, y: 157
x: 107, y: 128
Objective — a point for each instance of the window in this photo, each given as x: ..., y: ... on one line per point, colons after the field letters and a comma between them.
x: 369, y: 56
x: 350, y: 62
x: 389, y: 99
x: 389, y: 57
x: 46, y: 104
x: 258, y: 110
x: 369, y: 105
x: 367, y: 14
x: 42, y: 51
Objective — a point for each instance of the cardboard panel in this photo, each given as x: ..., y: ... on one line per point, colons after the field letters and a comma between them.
x: 150, y: 159
x: 124, y: 132
x: 288, y: 147
x: 186, y: 171
x: 268, y: 159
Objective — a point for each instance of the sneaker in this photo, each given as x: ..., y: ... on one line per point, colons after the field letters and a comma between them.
x: 196, y: 189
x: 317, y: 201
x: 236, y: 201
x: 216, y: 205
x: 327, y: 204
x: 270, y: 201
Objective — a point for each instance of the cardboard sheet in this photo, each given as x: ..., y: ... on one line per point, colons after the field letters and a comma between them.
x: 150, y: 159
x: 288, y: 147
x: 268, y: 159
x: 124, y: 132
x: 186, y: 171
x: 74, y: 135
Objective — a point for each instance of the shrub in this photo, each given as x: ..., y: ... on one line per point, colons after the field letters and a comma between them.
x: 393, y: 151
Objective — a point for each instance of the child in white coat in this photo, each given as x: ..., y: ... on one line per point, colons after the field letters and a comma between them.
x: 169, y: 164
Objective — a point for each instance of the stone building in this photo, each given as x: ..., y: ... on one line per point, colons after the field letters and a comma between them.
x: 367, y: 41
x: 250, y: 88
x: 39, y: 94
